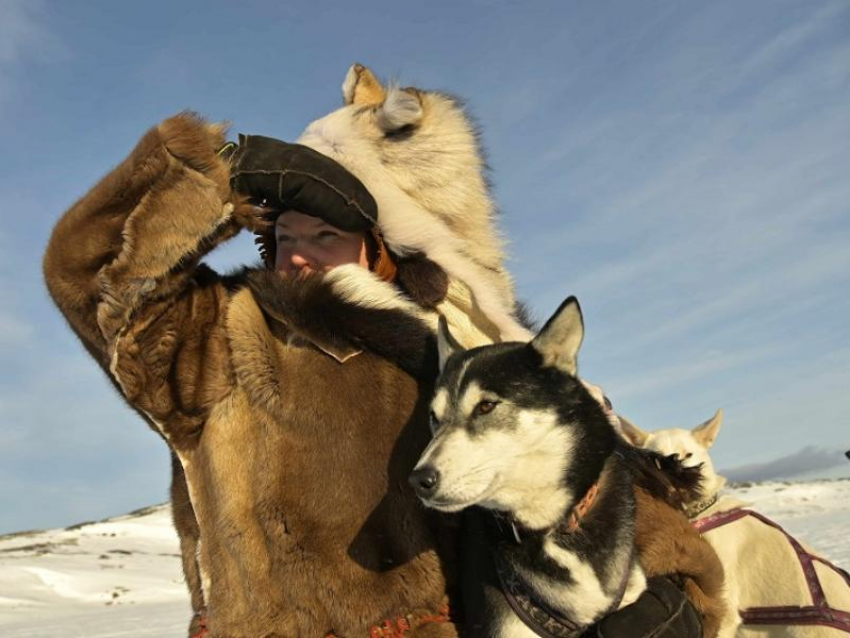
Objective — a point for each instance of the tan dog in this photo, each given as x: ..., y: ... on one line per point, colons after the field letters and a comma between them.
x: 768, y: 590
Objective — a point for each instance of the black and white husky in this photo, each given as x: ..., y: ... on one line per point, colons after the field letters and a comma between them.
x: 517, y: 434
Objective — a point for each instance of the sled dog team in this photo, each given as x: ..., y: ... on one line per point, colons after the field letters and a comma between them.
x: 377, y: 361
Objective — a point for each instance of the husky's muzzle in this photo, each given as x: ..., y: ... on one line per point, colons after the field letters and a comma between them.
x: 425, y: 481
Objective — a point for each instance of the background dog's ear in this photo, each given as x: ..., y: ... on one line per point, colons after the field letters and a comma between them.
x: 559, y: 341
x: 362, y: 87
x: 707, y: 432
x: 632, y: 433
x: 401, y: 109
x: 446, y: 344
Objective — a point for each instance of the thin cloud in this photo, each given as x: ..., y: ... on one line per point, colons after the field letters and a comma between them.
x: 806, y: 461
x: 24, y: 37
x: 13, y: 330
x: 672, y: 377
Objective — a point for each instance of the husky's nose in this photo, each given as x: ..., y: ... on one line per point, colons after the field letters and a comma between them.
x: 424, y: 481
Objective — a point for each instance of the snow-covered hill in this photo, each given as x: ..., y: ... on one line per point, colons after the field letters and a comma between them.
x: 122, y: 577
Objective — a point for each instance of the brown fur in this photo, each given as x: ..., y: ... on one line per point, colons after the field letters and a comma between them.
x: 189, y: 534
x: 669, y: 545
x: 294, y: 462
x: 87, y: 238
x: 666, y: 541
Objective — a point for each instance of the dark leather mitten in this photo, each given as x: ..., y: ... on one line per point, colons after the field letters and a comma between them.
x: 662, y: 611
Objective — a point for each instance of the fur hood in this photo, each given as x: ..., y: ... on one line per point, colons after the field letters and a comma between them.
x: 417, y: 153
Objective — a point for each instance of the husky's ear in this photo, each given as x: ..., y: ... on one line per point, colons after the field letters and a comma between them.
x: 559, y: 341
x: 707, y: 432
x: 362, y: 87
x: 446, y: 344
x: 632, y: 433
x: 401, y: 108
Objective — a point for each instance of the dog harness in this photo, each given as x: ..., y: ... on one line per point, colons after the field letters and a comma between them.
x: 535, y: 613
x: 818, y: 613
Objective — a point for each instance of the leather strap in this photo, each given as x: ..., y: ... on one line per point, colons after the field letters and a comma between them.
x: 818, y: 613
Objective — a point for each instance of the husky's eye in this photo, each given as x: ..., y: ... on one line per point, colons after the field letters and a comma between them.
x: 484, y: 407
x: 688, y: 455
x: 434, y: 422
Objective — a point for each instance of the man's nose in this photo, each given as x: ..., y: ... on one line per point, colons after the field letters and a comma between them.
x: 301, y: 259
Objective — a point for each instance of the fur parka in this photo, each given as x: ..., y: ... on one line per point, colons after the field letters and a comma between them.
x: 295, y: 407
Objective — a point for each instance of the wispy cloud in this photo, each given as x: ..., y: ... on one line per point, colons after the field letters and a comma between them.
x: 24, y: 38
x: 807, y: 460
x: 698, y: 210
x: 671, y: 378
x: 13, y: 330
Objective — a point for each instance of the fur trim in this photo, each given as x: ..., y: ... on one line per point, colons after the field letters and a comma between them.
x: 349, y: 310
x: 468, y: 323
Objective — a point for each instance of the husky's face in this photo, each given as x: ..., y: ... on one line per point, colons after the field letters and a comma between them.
x: 689, y: 446
x: 508, y: 421
x: 490, y: 447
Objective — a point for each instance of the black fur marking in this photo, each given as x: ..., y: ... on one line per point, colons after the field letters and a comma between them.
x: 664, y: 477
x: 525, y: 317
x: 401, y: 134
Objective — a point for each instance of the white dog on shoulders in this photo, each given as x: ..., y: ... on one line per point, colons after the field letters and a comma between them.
x: 775, y: 586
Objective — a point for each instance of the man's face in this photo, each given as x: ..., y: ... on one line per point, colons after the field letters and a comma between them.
x: 308, y: 244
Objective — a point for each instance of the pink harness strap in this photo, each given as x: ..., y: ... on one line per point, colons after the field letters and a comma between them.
x: 819, y: 613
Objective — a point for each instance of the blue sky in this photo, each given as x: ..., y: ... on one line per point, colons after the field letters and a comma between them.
x: 682, y: 167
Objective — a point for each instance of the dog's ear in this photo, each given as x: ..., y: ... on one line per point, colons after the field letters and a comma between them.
x: 559, y: 341
x: 446, y: 344
x: 401, y: 109
x: 707, y: 432
x: 361, y: 87
x: 632, y: 433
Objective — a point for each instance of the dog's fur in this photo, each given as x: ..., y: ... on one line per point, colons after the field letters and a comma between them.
x: 760, y: 564
x: 516, y: 432
x: 418, y: 154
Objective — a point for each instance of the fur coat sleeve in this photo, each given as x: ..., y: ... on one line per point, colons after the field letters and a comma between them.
x: 122, y: 265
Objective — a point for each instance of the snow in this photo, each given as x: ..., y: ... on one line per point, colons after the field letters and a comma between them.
x: 122, y: 577
x: 815, y: 512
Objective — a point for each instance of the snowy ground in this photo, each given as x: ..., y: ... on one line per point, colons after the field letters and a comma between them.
x: 122, y: 577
